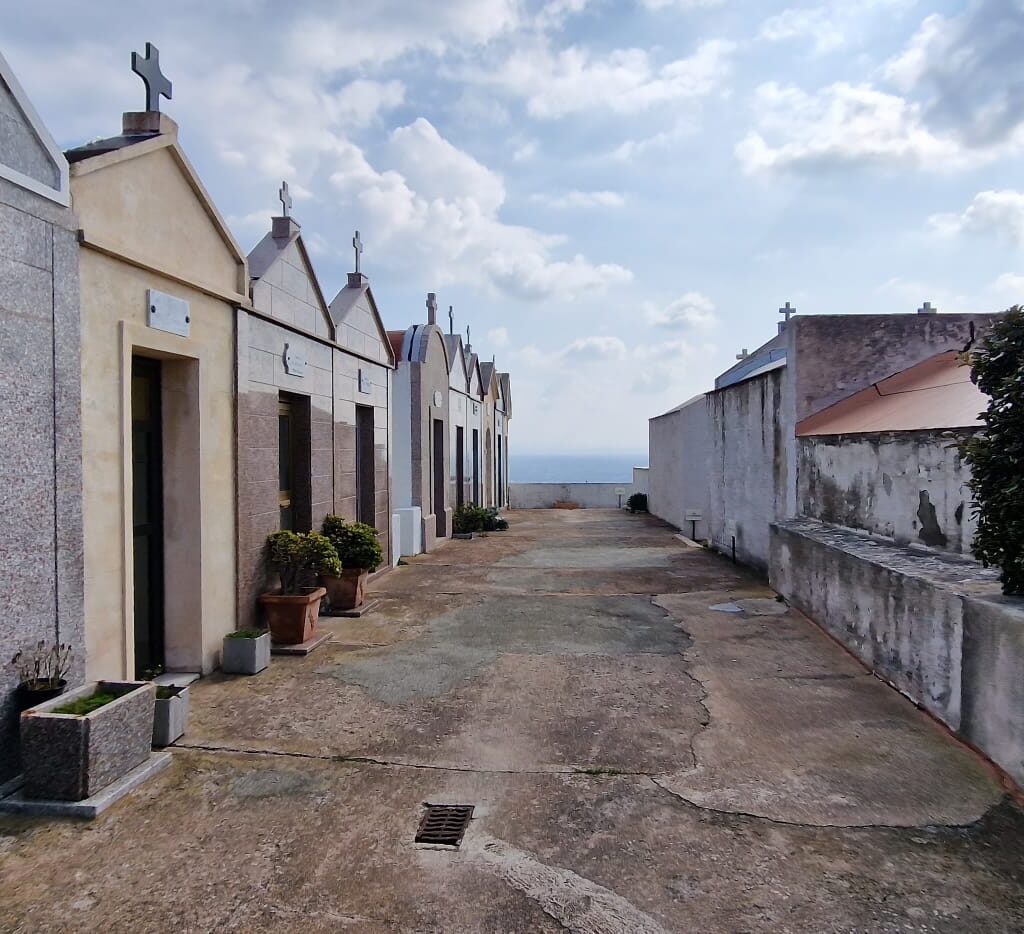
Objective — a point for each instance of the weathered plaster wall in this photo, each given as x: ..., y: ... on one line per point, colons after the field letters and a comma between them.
x: 749, y: 472
x: 584, y: 495
x: 40, y: 442
x: 837, y: 355
x: 933, y: 626
x: 909, y: 486
x: 680, y: 450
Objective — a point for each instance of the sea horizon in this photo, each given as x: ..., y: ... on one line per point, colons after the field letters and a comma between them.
x: 574, y: 468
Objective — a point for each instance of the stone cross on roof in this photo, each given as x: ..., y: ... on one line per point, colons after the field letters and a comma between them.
x: 787, y: 310
x: 431, y: 308
x: 742, y: 355
x: 286, y: 200
x: 148, y: 69
x: 926, y: 309
x: 467, y: 335
x: 357, y: 245
x: 451, y: 319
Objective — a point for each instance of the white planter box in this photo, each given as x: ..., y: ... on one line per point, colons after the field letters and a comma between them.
x: 246, y: 656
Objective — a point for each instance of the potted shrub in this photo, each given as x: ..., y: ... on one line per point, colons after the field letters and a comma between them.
x: 637, y: 502
x: 359, y: 552
x: 42, y: 673
x: 75, y: 745
x: 299, y: 557
x: 245, y: 652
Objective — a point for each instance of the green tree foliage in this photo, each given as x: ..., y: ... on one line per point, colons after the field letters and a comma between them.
x: 996, y: 456
x: 300, y: 555
x: 355, y: 542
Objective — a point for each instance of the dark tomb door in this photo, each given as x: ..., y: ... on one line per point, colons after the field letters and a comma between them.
x: 440, y: 470
x: 365, y: 486
x: 460, y: 467
x: 476, y: 466
x: 147, y: 515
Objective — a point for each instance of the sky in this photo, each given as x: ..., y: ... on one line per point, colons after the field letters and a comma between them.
x: 615, y: 195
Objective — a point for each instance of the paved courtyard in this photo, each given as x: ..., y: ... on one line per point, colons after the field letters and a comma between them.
x: 639, y: 761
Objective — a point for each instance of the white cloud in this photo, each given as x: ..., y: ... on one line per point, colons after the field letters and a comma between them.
x: 595, y: 348
x: 968, y: 72
x: 998, y: 212
x: 580, y: 199
x: 841, y: 125
x: 688, y: 312
x: 437, y: 169
x: 1011, y: 286
x: 829, y: 26
x: 680, y: 4
x: 498, y: 336
x: 625, y: 81
x: 440, y: 211
x: 382, y: 31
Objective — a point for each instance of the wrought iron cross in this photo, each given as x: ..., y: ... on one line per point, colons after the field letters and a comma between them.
x: 148, y: 69
x: 286, y: 200
x: 787, y: 310
x: 357, y: 245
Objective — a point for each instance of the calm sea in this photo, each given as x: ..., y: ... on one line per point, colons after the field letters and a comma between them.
x: 574, y: 468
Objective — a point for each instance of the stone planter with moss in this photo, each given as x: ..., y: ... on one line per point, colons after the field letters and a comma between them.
x: 76, y: 745
x: 246, y: 652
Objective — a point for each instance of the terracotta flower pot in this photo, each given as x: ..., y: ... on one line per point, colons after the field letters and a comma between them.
x: 291, y: 617
x: 348, y: 591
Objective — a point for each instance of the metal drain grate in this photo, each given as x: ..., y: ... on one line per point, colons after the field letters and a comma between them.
x: 444, y: 824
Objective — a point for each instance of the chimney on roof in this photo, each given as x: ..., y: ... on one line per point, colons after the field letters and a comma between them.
x: 926, y: 309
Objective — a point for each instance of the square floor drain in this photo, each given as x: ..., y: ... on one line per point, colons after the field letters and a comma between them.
x: 444, y: 824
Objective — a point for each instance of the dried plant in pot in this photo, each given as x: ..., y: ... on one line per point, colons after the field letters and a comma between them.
x: 298, y: 557
x: 42, y: 673
x: 359, y: 552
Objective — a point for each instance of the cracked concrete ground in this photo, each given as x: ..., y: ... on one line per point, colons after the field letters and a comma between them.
x: 638, y: 762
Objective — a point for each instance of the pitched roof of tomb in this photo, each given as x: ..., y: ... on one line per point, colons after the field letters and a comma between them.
x: 934, y: 394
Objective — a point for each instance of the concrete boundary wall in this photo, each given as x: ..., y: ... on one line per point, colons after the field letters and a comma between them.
x: 935, y: 627
x: 585, y: 495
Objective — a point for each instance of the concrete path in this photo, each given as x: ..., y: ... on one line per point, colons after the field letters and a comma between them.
x: 651, y: 741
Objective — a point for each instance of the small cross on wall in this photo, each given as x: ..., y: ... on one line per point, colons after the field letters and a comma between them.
x: 148, y: 69
x: 357, y: 245
x: 286, y: 200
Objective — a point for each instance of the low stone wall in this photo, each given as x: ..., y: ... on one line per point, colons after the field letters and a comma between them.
x: 934, y: 626
x: 585, y: 495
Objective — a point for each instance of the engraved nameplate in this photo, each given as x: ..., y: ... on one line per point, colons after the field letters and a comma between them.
x: 294, y: 361
x: 167, y: 313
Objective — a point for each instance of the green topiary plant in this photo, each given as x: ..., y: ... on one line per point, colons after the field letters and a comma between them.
x: 637, y: 502
x: 996, y: 457
x: 355, y: 542
x: 299, y: 555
